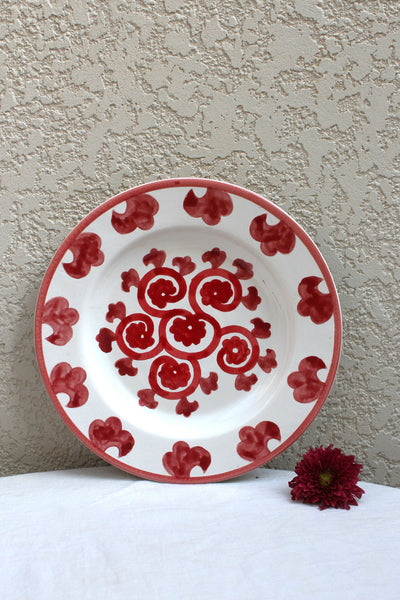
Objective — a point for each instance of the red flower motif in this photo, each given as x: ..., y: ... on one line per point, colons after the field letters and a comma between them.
x: 87, y: 254
x: 146, y: 398
x: 215, y: 256
x: 327, y: 477
x: 116, y: 311
x: 155, y: 257
x: 137, y: 336
x: 209, y: 384
x: 108, y: 433
x: 273, y: 238
x: 210, y: 207
x: 161, y: 292
x: 313, y: 303
x: 254, y: 444
x: 252, y: 300
x: 189, y: 329
x: 245, y: 382
x: 105, y: 338
x: 244, y: 270
x: 268, y: 362
x: 185, y: 408
x: 183, y: 458
x: 129, y: 278
x: 216, y: 292
x: 185, y: 264
x: 305, y: 382
x: 125, y: 367
x: 261, y: 329
x: 140, y: 212
x: 67, y: 380
x: 174, y: 375
x: 60, y: 317
x: 235, y: 350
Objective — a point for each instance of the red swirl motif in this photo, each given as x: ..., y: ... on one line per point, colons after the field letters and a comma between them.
x: 58, y: 314
x: 109, y: 433
x: 182, y: 459
x: 162, y: 286
x: 254, y: 440
x: 238, y: 353
x: 176, y: 338
x: 134, y: 337
x: 223, y: 292
x: 172, y: 379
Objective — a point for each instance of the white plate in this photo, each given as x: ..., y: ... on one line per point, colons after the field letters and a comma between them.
x: 188, y: 330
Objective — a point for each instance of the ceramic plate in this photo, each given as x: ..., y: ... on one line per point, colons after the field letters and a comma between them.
x: 188, y: 330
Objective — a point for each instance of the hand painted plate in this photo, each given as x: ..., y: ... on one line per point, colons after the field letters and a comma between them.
x: 188, y: 330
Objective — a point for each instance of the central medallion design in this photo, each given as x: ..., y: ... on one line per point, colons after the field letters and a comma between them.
x: 178, y: 338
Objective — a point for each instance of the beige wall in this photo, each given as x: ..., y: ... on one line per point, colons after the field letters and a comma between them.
x: 297, y: 100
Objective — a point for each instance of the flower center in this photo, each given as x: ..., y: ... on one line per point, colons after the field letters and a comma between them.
x: 324, y: 479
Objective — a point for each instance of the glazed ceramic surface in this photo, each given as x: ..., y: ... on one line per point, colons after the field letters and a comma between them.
x: 188, y: 330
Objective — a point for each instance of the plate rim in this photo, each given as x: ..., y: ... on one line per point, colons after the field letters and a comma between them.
x: 230, y: 188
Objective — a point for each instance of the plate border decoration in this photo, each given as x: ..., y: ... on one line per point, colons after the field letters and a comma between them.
x: 178, y: 461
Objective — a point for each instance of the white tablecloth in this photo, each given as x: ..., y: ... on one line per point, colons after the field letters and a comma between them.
x: 100, y: 533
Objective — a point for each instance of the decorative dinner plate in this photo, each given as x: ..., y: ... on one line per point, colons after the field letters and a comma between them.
x: 188, y: 330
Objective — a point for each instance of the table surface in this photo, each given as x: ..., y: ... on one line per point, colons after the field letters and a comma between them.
x: 101, y: 533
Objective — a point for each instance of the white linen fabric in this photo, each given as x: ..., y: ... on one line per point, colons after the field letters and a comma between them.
x: 101, y: 533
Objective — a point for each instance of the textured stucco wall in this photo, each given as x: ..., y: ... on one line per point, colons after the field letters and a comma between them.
x: 297, y: 100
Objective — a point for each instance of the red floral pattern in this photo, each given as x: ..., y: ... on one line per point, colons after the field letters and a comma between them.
x: 183, y: 459
x: 177, y: 339
x: 140, y: 212
x: 261, y: 328
x: 185, y: 264
x: 147, y: 398
x: 60, y: 317
x: 174, y: 375
x: 244, y: 270
x: 116, y: 311
x: 105, y: 338
x: 129, y: 278
x: 245, y: 382
x: 235, y: 350
x: 155, y: 257
x: 268, y: 362
x: 125, y: 367
x: 186, y: 408
x: 215, y: 256
x: 305, y: 383
x: 138, y: 336
x: 108, y: 433
x: 273, y: 238
x: 252, y: 300
x: 209, y: 384
x: 216, y: 293
x: 161, y: 292
x: 313, y: 303
x: 189, y: 329
x: 254, y: 440
x: 67, y: 380
x: 210, y: 207
x: 87, y: 254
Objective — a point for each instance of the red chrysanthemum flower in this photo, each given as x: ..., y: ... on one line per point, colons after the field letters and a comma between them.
x: 327, y: 477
